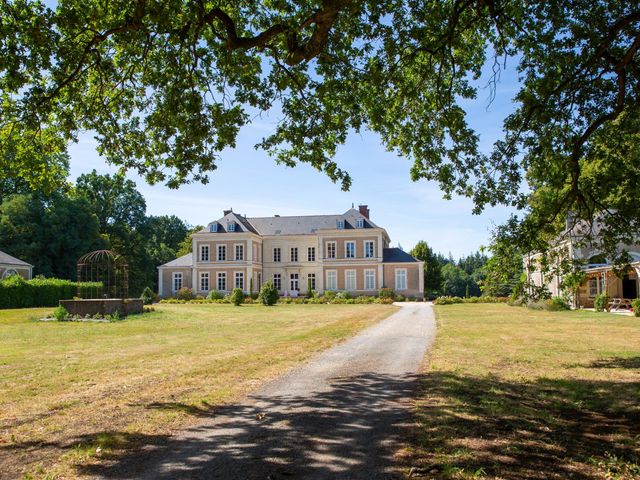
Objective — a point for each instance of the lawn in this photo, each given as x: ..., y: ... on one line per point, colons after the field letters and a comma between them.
x: 513, y: 393
x: 77, y: 393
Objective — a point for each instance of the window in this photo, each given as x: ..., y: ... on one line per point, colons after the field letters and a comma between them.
x: 340, y: 224
x: 350, y: 280
x: 222, y: 281
x: 349, y: 249
x: 204, y: 281
x: 368, y: 249
x: 311, y: 254
x: 277, y: 281
x: 177, y: 281
x: 294, y: 277
x: 232, y: 227
x: 222, y: 253
x: 593, y: 287
x: 331, y: 249
x: 369, y: 279
x: 332, y: 280
x: 213, y: 227
x: 276, y: 254
x: 401, y: 279
x: 239, y: 252
x: 294, y: 254
x: 10, y: 273
x: 239, y: 283
x: 204, y: 253
x: 359, y: 223
x: 312, y: 281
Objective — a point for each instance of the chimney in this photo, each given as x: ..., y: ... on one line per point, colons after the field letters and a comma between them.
x: 227, y: 212
x: 364, y: 210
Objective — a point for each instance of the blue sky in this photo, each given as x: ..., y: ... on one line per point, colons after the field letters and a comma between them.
x: 251, y: 183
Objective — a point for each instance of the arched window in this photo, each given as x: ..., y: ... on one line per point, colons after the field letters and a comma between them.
x: 10, y: 272
x: 598, y: 259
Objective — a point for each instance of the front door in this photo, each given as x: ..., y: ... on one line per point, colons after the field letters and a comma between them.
x: 629, y: 289
x: 294, y: 281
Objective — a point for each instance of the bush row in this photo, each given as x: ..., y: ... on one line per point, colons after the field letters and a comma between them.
x: 451, y: 300
x: 16, y: 292
x: 287, y: 300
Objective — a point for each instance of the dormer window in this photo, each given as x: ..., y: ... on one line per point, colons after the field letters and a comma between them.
x: 359, y: 223
x: 232, y: 227
x: 340, y: 224
x: 214, y: 227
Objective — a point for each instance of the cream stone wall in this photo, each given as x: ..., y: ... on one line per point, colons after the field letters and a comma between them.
x: 167, y: 279
x: 414, y: 271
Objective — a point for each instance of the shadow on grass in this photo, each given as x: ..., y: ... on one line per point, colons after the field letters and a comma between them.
x: 617, y: 362
x: 351, y: 430
x: 487, y: 427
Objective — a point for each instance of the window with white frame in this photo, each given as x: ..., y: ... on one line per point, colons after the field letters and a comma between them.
x: 204, y: 253
x: 312, y: 281
x: 239, y: 280
x: 350, y: 280
x: 204, y: 281
x: 340, y: 224
x: 239, y: 252
x: 401, y: 278
x: 359, y: 223
x: 593, y: 287
x: 331, y: 249
x: 369, y: 279
x: 177, y: 281
x: 231, y: 227
x: 294, y: 254
x: 332, y: 280
x: 276, y: 254
x: 368, y: 249
x: 294, y: 281
x: 311, y: 254
x: 222, y: 253
x: 214, y: 227
x: 222, y: 281
x: 349, y: 249
x: 277, y: 281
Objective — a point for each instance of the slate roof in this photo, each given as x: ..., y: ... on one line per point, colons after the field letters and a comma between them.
x: 183, y: 261
x: 7, y: 259
x: 395, y: 255
x: 293, y: 225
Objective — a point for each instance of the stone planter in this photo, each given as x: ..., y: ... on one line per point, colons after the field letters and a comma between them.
x: 103, y: 306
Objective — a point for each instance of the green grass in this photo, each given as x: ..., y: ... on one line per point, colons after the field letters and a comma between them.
x: 515, y: 393
x: 74, y: 392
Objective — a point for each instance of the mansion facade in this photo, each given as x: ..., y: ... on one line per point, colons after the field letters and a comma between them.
x: 322, y: 252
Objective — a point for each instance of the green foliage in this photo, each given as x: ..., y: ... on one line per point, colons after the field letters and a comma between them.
x: 343, y: 294
x: 447, y: 300
x: 215, y: 295
x: 635, y: 304
x: 251, y: 285
x: 148, y: 296
x: 237, y: 296
x: 268, y: 294
x: 555, y: 304
x: 432, y: 267
x: 60, y: 313
x: 386, y: 293
x: 601, y: 302
x: 185, y: 293
x: 16, y: 292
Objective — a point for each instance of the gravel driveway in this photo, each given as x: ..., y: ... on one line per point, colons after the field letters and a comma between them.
x: 342, y: 415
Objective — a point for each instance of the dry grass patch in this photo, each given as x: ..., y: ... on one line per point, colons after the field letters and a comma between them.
x: 512, y: 393
x: 76, y: 393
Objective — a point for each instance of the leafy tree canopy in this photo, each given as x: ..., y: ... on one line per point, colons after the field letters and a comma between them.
x: 166, y: 86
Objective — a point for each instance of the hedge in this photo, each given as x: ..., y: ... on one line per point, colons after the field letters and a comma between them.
x: 16, y: 292
x: 445, y: 300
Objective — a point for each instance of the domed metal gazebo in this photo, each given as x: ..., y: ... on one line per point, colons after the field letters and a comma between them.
x: 107, y: 273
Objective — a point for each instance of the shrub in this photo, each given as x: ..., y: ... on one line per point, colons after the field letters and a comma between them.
x: 60, y: 313
x: 215, y: 295
x: 343, y: 294
x: 268, y: 294
x: 601, y: 302
x: 446, y: 300
x: 237, y: 296
x: 329, y: 295
x: 147, y: 296
x: 635, y: 304
x: 557, y: 303
x: 386, y: 293
x: 16, y: 292
x: 400, y: 298
x: 185, y: 293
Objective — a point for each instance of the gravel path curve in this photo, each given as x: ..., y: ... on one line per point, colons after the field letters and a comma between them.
x: 342, y: 415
